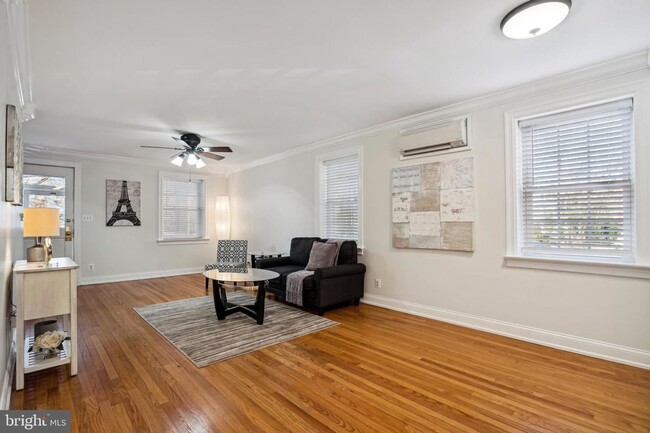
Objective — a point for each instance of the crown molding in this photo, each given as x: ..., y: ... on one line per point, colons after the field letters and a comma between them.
x: 44, y: 153
x: 624, y: 65
x: 18, y: 55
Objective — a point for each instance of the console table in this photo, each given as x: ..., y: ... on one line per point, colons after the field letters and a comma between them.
x: 40, y: 291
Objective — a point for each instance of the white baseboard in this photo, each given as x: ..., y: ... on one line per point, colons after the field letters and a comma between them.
x: 139, y: 276
x: 5, y: 396
x: 571, y: 343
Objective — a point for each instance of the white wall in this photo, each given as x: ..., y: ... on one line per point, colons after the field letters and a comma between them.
x: 7, y: 242
x: 10, y: 234
x: 274, y: 203
x: 128, y: 252
x: 603, y: 315
x: 133, y: 252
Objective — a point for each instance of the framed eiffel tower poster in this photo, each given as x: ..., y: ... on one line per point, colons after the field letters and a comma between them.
x: 122, y: 203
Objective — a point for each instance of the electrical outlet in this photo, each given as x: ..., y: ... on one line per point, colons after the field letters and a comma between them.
x: 377, y: 283
x: 86, y: 218
x: 91, y: 267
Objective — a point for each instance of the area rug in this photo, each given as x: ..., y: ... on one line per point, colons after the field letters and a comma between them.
x: 192, y: 326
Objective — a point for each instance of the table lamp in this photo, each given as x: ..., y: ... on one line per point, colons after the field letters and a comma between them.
x: 39, y: 222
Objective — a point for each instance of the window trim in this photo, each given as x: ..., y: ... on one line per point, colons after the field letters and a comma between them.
x: 342, y: 153
x: 640, y: 268
x: 566, y: 265
x: 180, y: 176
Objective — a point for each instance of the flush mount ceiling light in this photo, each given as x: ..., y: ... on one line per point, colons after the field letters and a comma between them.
x: 534, y: 18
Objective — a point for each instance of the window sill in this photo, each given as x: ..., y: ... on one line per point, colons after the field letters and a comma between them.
x: 183, y: 241
x: 613, y: 269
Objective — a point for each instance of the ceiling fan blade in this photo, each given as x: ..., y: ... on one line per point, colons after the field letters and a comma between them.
x: 217, y: 149
x: 161, y: 147
x: 212, y: 156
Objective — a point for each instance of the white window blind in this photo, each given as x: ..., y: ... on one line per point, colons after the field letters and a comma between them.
x: 182, y: 209
x: 339, y: 198
x: 576, y: 183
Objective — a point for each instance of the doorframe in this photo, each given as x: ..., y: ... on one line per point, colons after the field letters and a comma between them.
x: 76, y: 166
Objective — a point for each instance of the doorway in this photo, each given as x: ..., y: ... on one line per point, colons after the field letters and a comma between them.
x: 49, y: 186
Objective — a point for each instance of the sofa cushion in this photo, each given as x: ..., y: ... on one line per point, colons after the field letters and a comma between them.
x: 300, y: 250
x: 347, y: 253
x: 283, y: 277
x: 322, y: 256
x: 284, y: 271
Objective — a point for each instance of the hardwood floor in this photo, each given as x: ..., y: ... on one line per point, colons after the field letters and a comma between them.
x: 378, y: 371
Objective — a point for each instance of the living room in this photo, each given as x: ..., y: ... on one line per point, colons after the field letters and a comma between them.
x: 572, y: 335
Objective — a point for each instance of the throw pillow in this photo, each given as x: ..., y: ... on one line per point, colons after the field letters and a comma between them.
x: 322, y: 255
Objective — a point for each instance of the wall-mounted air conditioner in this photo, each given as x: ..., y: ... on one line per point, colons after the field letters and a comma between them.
x: 426, y: 140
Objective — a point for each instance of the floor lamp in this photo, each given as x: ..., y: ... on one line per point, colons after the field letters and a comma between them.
x: 223, y: 217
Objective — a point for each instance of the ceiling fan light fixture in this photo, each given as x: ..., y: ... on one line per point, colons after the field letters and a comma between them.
x: 188, y: 148
x: 178, y: 160
x: 534, y: 18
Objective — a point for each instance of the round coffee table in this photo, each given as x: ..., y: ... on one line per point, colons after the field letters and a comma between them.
x: 259, y: 277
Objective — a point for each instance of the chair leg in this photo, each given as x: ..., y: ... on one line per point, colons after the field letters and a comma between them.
x: 356, y: 302
x: 207, y: 280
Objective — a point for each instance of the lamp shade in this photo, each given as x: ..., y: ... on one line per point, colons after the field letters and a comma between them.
x: 178, y: 160
x: 223, y: 217
x: 40, y: 221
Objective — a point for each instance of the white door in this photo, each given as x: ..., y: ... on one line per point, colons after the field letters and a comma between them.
x: 48, y: 186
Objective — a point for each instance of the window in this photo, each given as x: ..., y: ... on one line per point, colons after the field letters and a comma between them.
x: 339, y: 197
x: 575, y: 185
x: 182, y: 208
x: 45, y: 191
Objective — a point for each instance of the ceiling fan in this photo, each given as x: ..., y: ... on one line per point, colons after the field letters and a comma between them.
x: 191, y: 150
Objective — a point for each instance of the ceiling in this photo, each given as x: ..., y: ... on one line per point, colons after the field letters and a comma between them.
x: 266, y: 77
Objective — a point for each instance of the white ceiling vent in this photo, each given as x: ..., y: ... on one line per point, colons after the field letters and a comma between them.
x: 426, y: 140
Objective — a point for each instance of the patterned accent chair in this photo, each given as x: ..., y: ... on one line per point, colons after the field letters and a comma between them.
x: 230, y: 254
